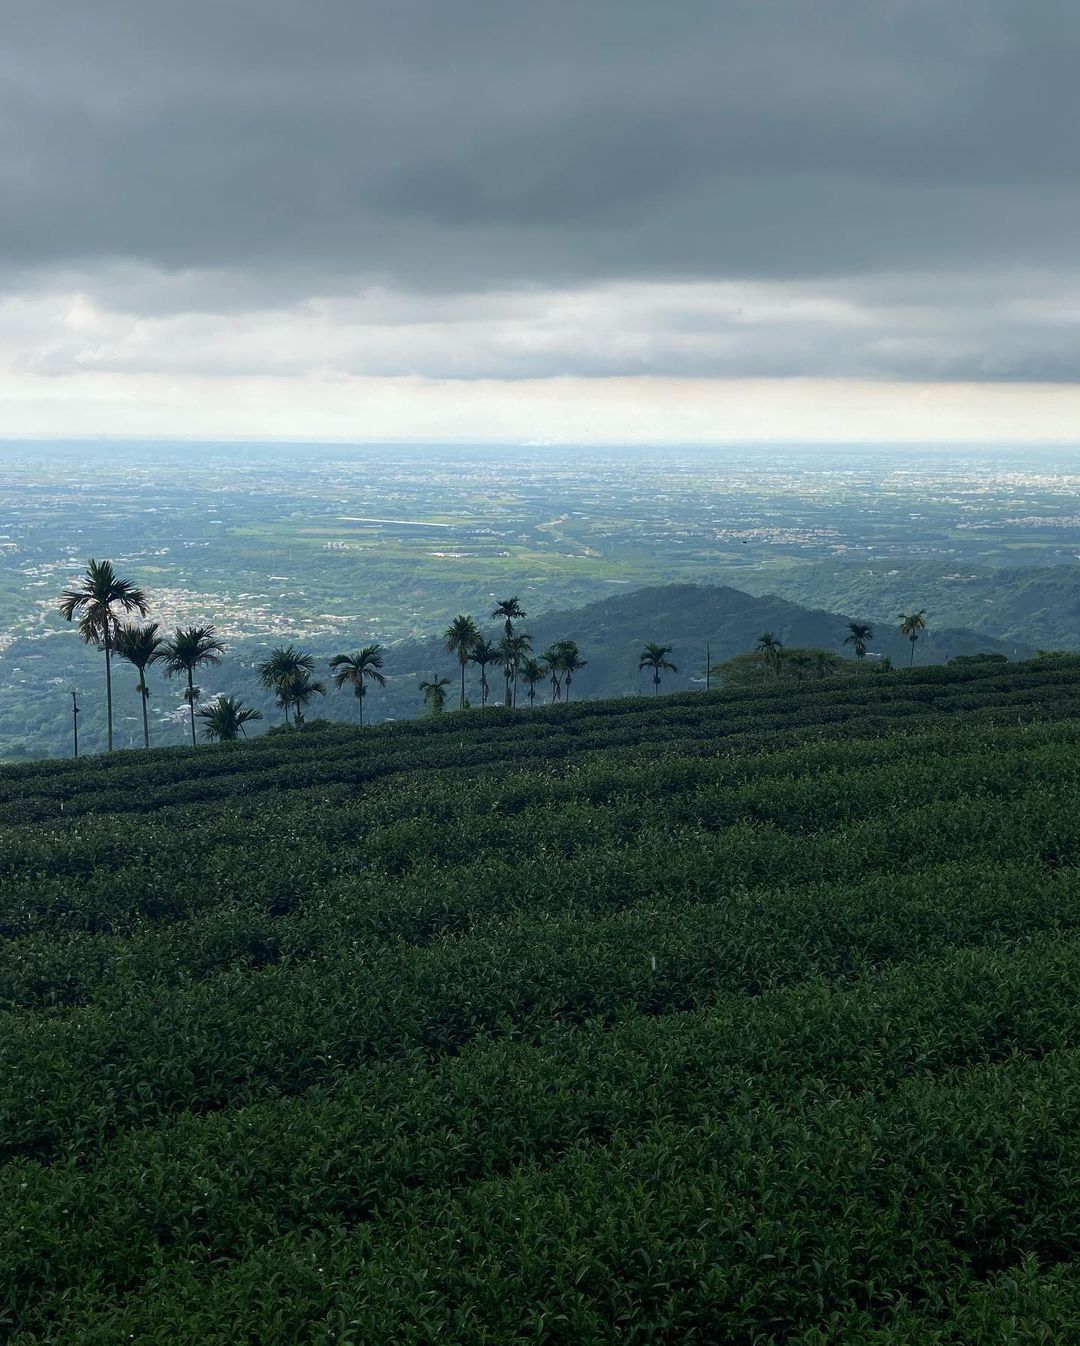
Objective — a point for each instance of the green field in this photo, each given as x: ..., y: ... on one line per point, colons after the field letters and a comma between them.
x: 743, y: 1018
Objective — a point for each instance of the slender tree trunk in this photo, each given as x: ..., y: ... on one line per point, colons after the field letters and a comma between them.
x: 568, y: 686
x: 656, y: 683
x: 462, y: 663
x: 108, y: 680
x: 145, y: 723
x: 911, y: 661
x: 360, y: 698
x: 191, y: 705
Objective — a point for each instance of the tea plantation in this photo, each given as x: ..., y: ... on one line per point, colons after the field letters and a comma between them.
x: 730, y: 1018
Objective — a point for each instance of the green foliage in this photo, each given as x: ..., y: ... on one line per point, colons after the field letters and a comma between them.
x: 984, y: 658
x: 434, y: 692
x: 750, y: 1017
x: 782, y: 663
x: 226, y: 718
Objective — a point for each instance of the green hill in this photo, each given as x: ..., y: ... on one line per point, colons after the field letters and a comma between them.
x: 740, y: 1017
x: 611, y: 632
x: 1037, y: 606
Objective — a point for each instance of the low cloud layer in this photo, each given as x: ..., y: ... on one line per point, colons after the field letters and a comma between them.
x: 861, y: 329
x: 487, y: 190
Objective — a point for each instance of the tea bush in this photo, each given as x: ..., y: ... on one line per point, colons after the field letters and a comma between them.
x: 747, y: 1017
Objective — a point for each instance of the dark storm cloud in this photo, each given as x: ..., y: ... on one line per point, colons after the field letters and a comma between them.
x: 315, y: 146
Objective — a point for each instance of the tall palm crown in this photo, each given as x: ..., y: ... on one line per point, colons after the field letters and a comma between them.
x: 94, y: 598
x: 188, y: 649
x: 508, y: 611
x: 482, y: 654
x: 771, y: 649
x: 435, y: 693
x: 910, y: 625
x: 225, y: 719
x: 356, y: 670
x: 140, y: 646
x: 298, y: 690
x: 531, y: 672
x: 276, y: 670
x: 460, y: 637
x: 570, y: 662
x: 858, y: 634
x: 656, y: 657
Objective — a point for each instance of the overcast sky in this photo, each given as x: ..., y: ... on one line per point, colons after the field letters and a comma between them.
x: 598, y: 219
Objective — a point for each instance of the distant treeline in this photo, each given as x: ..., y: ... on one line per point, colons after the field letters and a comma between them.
x: 108, y: 607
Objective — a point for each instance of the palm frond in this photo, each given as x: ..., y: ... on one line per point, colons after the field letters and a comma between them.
x: 188, y: 648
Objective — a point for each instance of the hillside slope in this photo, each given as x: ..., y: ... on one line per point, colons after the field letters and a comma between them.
x: 611, y: 632
x: 1031, y: 605
x: 739, y: 1017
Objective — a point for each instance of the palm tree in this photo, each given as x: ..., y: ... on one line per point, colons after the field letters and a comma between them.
x: 655, y: 657
x: 858, y: 634
x: 140, y: 646
x: 771, y: 651
x: 357, y: 670
x: 100, y: 590
x: 281, y: 665
x: 531, y: 672
x: 184, y: 652
x: 508, y: 611
x: 482, y: 654
x: 512, y: 650
x: 435, y: 693
x: 226, y: 718
x: 824, y: 662
x: 297, y: 691
x: 460, y: 637
x: 910, y: 625
x: 553, y: 663
x: 570, y: 662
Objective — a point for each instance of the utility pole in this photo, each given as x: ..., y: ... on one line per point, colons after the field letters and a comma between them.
x: 75, y: 722
x: 708, y: 668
